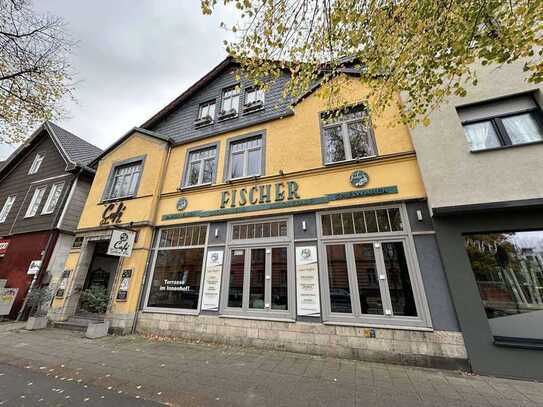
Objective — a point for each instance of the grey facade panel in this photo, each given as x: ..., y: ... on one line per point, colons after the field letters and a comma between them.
x: 76, y: 203
x: 220, y: 238
x: 180, y: 124
x: 18, y: 182
x: 310, y: 219
x: 413, y: 210
x: 435, y: 284
x: 485, y: 356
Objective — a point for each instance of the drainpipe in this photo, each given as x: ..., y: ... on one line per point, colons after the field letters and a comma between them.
x: 153, y: 217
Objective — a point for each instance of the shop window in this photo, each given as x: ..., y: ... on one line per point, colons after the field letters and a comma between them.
x: 369, y: 280
x: 35, y: 202
x: 53, y: 198
x: 503, y: 123
x: 258, y: 282
x: 124, y: 179
x: 245, y: 158
x: 201, y: 166
x: 259, y: 230
x: 362, y: 221
x: 10, y: 200
x: 346, y: 135
x: 36, y: 164
x: 508, y: 270
x: 177, y: 271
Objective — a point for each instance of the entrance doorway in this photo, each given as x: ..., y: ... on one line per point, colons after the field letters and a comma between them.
x: 96, y: 290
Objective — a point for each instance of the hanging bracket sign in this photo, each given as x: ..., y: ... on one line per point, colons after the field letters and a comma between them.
x: 121, y: 243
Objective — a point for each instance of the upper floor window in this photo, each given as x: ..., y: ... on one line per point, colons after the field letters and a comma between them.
x: 6, y: 208
x: 502, y: 123
x: 201, y: 166
x: 38, y: 159
x: 230, y: 102
x: 254, y: 99
x: 346, y: 135
x: 124, y: 179
x: 245, y: 158
x: 206, y: 113
x: 53, y: 198
x: 32, y: 209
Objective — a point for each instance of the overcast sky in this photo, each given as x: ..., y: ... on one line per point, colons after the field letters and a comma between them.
x: 132, y: 58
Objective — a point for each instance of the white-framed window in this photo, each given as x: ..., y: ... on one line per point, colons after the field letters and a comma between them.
x: 124, y: 180
x: 206, y: 112
x: 10, y: 200
x: 201, y: 166
x: 34, y: 205
x: 53, y: 198
x: 245, y: 158
x: 38, y: 159
x: 254, y: 98
x: 346, y: 135
x: 230, y: 101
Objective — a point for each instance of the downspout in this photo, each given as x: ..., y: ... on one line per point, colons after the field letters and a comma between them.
x: 139, y: 303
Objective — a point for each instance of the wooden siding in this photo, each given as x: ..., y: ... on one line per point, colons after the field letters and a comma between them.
x: 76, y: 203
x: 18, y: 182
x: 180, y: 124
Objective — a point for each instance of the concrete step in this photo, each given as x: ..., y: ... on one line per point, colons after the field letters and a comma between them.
x: 77, y: 323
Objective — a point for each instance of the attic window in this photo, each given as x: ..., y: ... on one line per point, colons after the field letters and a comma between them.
x: 230, y: 102
x: 38, y: 159
x: 206, y: 113
x: 254, y: 99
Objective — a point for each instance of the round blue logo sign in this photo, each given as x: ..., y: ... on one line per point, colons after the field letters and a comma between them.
x: 182, y: 204
x: 359, y: 178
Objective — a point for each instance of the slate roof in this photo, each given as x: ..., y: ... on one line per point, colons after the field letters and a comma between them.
x: 77, y: 150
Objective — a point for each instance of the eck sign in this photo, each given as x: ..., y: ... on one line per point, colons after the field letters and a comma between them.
x: 121, y: 243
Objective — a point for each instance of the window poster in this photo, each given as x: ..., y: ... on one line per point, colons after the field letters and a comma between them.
x: 307, y: 281
x: 212, y: 282
x: 7, y: 298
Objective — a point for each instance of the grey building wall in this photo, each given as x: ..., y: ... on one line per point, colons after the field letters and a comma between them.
x: 455, y: 176
x: 180, y: 123
x: 18, y: 182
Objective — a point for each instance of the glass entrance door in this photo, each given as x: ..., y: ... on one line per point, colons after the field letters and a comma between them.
x: 258, y: 279
x: 369, y: 279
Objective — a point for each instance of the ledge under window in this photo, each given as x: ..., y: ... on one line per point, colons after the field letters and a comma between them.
x: 353, y: 161
x: 505, y: 147
x: 521, y: 343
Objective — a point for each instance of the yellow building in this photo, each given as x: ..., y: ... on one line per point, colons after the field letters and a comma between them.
x: 268, y: 222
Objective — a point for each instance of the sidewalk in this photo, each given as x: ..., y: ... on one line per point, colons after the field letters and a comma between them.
x: 197, y: 374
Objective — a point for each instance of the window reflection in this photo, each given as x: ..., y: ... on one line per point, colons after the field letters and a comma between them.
x: 279, y: 275
x: 235, y: 286
x: 338, y: 279
x: 399, y: 282
x: 368, y: 282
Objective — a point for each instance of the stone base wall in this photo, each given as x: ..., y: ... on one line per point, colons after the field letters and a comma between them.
x: 120, y: 324
x: 441, y: 349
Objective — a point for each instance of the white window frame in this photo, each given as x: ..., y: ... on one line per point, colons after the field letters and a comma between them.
x: 51, y: 198
x: 245, y: 153
x: 36, y: 164
x: 259, y: 96
x: 8, y: 204
x: 344, y: 126
x: 227, y: 96
x: 205, y: 107
x: 35, y: 202
x: 189, y: 161
x: 421, y: 321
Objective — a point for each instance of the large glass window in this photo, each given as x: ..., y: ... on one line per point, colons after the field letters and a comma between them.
x: 508, y: 269
x: 368, y: 279
x: 362, y: 221
x: 53, y: 198
x: 201, y: 166
x: 178, y: 268
x: 124, y: 180
x: 245, y: 158
x: 10, y: 200
x: 347, y: 135
x: 230, y: 102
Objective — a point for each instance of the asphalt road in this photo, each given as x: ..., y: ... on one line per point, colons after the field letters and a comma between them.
x: 21, y: 387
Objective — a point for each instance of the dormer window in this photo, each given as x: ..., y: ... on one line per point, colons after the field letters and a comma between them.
x: 206, y: 113
x: 230, y: 102
x: 254, y: 99
x: 38, y: 159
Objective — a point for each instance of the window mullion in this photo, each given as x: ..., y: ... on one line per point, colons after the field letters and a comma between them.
x: 246, y: 281
x: 383, y: 280
x: 346, y: 142
x: 267, y: 280
x: 353, y: 281
x: 245, y: 162
x: 501, y: 132
x: 201, y: 172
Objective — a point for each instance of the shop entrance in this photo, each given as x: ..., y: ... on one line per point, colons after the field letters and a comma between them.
x: 96, y: 290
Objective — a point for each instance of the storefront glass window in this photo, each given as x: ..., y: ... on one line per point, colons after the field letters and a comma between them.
x: 363, y: 221
x: 279, y: 279
x: 338, y: 279
x: 258, y: 278
x: 176, y: 279
x: 235, y: 287
x: 399, y: 282
x: 368, y: 280
x: 508, y: 269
